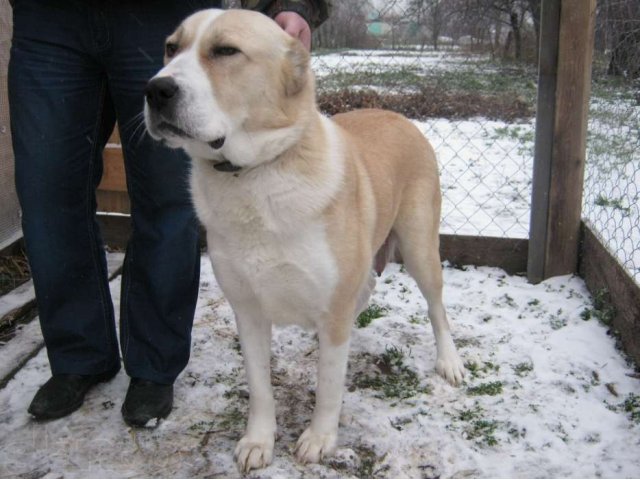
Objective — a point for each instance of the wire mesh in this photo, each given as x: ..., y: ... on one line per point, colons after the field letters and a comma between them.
x: 612, y: 176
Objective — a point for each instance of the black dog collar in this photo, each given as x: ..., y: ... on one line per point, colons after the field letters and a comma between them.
x: 226, y: 166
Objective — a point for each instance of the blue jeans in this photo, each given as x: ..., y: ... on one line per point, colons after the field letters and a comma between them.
x: 76, y: 66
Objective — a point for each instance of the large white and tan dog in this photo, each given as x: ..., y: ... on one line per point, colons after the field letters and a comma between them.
x: 298, y: 208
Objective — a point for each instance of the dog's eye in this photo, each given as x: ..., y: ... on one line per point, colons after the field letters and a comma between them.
x: 224, y: 51
x: 171, y: 49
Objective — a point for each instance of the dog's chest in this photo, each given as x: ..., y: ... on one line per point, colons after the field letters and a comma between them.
x: 269, y: 249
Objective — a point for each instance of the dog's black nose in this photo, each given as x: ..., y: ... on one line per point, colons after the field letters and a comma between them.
x: 161, y: 92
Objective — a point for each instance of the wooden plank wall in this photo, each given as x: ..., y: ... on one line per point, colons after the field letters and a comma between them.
x: 610, y: 283
x: 112, y: 192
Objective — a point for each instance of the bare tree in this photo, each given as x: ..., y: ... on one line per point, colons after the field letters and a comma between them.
x: 346, y: 28
x: 432, y: 16
x: 622, y: 24
x: 535, y: 10
x: 490, y: 16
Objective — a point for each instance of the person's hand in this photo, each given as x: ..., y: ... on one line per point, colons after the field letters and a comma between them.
x: 296, y: 26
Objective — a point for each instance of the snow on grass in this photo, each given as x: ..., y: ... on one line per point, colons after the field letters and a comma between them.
x: 353, y: 61
x: 546, y: 395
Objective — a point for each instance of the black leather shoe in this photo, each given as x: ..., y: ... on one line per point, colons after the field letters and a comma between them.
x: 146, y: 403
x: 64, y: 394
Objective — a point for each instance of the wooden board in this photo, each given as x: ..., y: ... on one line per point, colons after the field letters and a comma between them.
x: 506, y: 253
x: 112, y: 192
x: 114, y: 178
x: 605, y: 278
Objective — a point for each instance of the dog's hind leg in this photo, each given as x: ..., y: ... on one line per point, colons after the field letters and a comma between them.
x: 418, y: 238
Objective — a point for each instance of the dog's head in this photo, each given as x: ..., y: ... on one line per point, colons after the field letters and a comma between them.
x: 235, y: 89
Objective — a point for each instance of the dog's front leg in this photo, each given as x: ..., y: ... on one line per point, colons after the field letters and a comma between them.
x: 255, y: 449
x: 320, y: 438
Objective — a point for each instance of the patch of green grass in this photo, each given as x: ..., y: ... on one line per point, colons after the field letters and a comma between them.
x: 202, y: 426
x: 392, y: 378
x: 372, y: 75
x: 523, y: 135
x: 558, y: 320
x: 493, y: 80
x: 470, y: 414
x: 490, y: 388
x: 505, y: 300
x: 464, y: 342
x: 615, y: 203
x: 560, y: 431
x: 631, y: 405
x: 523, y: 369
x: 232, y: 418
x: 477, y: 370
x: 477, y: 427
x: 370, y: 314
x: 368, y: 459
x: 484, y: 431
x: 611, y: 88
x: 602, y: 309
x: 593, y: 438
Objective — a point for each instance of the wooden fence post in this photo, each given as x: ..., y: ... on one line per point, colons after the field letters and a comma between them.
x: 564, y: 87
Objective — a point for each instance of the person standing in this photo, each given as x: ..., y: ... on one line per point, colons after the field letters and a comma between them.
x: 76, y: 67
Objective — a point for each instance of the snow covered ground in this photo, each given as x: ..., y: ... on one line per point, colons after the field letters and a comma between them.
x: 355, y: 61
x: 546, y: 395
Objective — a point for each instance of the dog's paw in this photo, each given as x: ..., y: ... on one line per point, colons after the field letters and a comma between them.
x: 451, y: 368
x: 313, y: 447
x: 252, y: 453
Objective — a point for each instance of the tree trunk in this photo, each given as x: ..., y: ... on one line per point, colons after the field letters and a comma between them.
x: 517, y: 34
x: 534, y: 9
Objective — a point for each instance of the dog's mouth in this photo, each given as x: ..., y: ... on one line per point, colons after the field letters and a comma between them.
x: 167, y: 127
x: 226, y: 166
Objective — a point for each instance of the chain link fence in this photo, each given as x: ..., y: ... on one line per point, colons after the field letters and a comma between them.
x: 612, y: 177
x: 480, y: 127
x: 456, y: 78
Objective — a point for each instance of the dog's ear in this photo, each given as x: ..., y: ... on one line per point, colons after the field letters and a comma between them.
x: 295, y: 71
